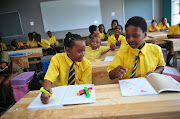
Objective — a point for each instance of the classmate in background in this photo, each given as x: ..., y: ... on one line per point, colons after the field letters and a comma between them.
x: 94, y: 31
x: 111, y: 31
x: 31, y: 42
x: 16, y: 45
x: 69, y: 68
x: 45, y: 44
x: 117, y: 39
x: 153, y: 27
x: 102, y: 32
x: 163, y: 25
x: 3, y: 46
x: 138, y: 59
x: 34, y: 33
x: 94, y: 51
x: 8, y: 70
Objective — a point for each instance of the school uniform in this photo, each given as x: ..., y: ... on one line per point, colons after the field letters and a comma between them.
x: 110, y: 32
x: 151, y: 57
x: 59, y: 68
x: 44, y: 43
x: 4, y: 58
x: 102, y: 36
x: 52, y: 40
x: 95, y: 54
x: 162, y: 27
x: 3, y: 46
x: 174, y: 30
x: 112, y: 40
x: 20, y: 44
x: 32, y: 43
x: 151, y: 29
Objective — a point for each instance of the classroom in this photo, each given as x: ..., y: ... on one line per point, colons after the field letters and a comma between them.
x: 90, y: 58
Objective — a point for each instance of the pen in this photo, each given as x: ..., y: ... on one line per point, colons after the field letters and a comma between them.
x: 46, y: 92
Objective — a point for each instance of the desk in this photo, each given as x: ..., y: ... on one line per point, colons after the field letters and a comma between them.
x: 109, y: 104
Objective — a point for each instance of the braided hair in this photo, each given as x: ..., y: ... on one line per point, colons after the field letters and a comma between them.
x: 70, y: 39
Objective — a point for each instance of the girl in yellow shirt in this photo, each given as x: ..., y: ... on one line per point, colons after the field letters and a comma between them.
x: 153, y: 27
x: 102, y: 32
x: 69, y: 65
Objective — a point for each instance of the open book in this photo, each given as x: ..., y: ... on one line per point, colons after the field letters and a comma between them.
x: 65, y: 95
x: 151, y: 85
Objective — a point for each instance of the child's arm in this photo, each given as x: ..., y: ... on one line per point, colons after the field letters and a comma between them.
x: 157, y: 70
x: 118, y: 72
x: 13, y: 66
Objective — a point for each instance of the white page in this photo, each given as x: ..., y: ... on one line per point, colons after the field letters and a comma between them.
x: 58, y: 93
x: 72, y: 98
x: 108, y: 58
x: 136, y: 87
x: 104, y: 41
x: 170, y: 70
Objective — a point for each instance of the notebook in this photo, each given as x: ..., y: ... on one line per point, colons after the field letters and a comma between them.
x: 64, y: 95
x: 153, y: 84
x: 108, y: 58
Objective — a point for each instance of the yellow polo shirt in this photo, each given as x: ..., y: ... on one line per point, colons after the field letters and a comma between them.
x: 174, y: 30
x: 95, y: 54
x: 162, y: 27
x: 151, y: 57
x: 59, y: 70
x: 102, y: 36
x: 151, y: 29
x: 20, y: 44
x: 32, y: 43
x: 44, y: 43
x: 52, y: 40
x: 112, y: 40
x: 3, y: 46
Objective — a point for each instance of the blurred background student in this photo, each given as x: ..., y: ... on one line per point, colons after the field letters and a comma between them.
x: 31, y: 42
x: 3, y: 46
x: 163, y: 25
x: 111, y: 31
x: 16, y: 45
x: 94, y: 31
x: 102, y: 32
x: 153, y: 27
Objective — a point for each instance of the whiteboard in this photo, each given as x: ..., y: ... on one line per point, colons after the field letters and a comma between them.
x: 70, y: 14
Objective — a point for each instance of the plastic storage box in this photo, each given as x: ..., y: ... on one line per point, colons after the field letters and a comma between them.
x: 45, y: 62
x: 20, y: 84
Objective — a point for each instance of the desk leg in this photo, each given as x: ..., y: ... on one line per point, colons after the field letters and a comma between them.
x: 175, y: 60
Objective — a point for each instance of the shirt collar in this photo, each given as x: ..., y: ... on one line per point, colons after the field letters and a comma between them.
x: 69, y: 61
x: 136, y: 51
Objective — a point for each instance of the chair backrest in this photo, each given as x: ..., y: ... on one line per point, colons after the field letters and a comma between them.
x: 22, y: 61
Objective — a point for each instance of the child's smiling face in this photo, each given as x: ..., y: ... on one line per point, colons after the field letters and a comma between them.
x: 135, y: 36
x: 101, y: 29
x: 117, y: 30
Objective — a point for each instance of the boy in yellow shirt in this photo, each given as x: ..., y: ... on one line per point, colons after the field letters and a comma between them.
x: 94, y: 51
x: 94, y: 31
x: 69, y: 68
x: 138, y: 59
x: 117, y: 39
x: 31, y: 42
x: 153, y: 27
x: 3, y: 46
x: 51, y: 38
x: 163, y: 25
x: 16, y: 45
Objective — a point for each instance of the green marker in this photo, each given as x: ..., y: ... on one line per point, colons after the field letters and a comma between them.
x: 87, y: 92
x: 46, y: 92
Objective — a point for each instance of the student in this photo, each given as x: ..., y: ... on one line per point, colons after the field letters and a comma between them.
x: 8, y: 70
x: 138, y: 59
x: 153, y: 27
x: 117, y: 39
x: 102, y: 32
x: 163, y: 25
x: 51, y: 38
x: 61, y: 64
x: 45, y: 44
x: 94, y: 51
x: 111, y: 31
x: 16, y: 45
x: 34, y: 34
x: 31, y: 42
x: 3, y: 46
x: 94, y: 31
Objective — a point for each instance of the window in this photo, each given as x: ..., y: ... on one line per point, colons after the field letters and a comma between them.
x: 175, y: 12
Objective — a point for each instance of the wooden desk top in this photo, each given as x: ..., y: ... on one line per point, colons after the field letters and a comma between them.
x: 109, y: 104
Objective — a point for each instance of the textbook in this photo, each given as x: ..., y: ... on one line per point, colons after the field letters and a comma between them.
x: 153, y: 84
x: 64, y: 95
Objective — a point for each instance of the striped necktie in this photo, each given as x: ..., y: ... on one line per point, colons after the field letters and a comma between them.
x: 71, y: 79
x: 135, y: 66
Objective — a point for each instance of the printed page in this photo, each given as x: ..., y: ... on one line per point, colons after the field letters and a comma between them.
x: 58, y: 93
x: 109, y: 59
x: 162, y: 82
x: 72, y: 98
x: 171, y: 70
x: 136, y: 87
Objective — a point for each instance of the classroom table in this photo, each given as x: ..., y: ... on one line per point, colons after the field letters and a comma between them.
x: 109, y: 104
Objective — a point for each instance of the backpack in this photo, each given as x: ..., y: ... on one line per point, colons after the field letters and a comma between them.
x: 37, y: 80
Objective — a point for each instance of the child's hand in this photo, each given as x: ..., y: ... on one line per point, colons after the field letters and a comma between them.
x: 45, y: 97
x: 118, y: 72
x: 112, y: 47
x: 118, y: 43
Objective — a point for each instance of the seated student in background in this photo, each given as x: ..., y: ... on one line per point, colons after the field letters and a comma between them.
x: 31, y: 42
x: 3, y: 46
x: 34, y: 34
x: 102, y: 32
x: 45, y: 44
x: 16, y: 45
x: 153, y: 27
x: 94, y: 31
x: 8, y: 71
x: 111, y: 31
x: 69, y: 68
x: 94, y: 51
x: 117, y: 39
x: 163, y: 25
x: 138, y: 59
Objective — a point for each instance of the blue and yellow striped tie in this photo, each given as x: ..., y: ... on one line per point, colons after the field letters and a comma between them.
x: 71, y: 79
x: 135, y: 66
